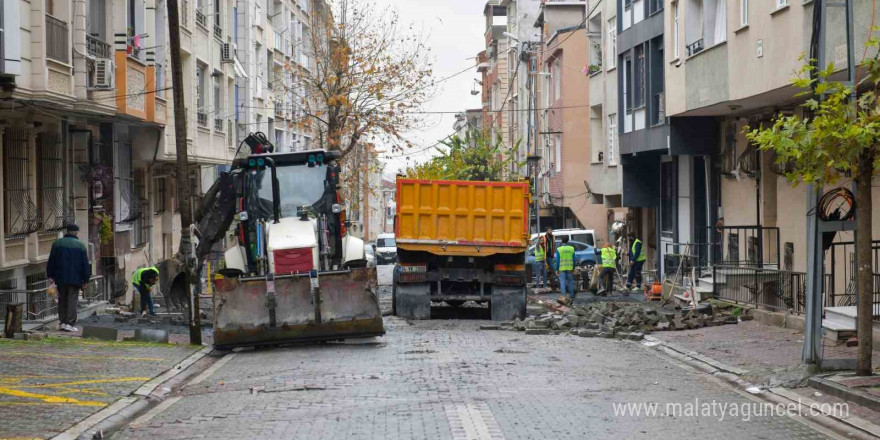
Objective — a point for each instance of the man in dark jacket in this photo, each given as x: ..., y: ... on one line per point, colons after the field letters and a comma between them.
x: 70, y: 269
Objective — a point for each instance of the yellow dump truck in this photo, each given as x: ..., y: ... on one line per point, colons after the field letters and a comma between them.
x: 461, y: 241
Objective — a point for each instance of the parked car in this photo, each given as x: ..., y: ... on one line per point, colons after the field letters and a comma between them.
x: 370, y: 253
x: 585, y: 236
x: 584, y: 255
x: 386, y: 249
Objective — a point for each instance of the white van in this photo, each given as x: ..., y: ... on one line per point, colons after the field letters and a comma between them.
x: 585, y: 236
x: 386, y: 249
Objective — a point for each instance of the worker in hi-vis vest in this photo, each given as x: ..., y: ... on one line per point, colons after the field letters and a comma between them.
x: 143, y: 281
x: 637, y: 257
x: 539, y: 267
x: 565, y: 268
x: 609, y: 266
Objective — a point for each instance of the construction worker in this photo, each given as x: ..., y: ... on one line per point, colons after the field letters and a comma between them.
x: 549, y: 244
x: 540, y: 267
x: 637, y: 257
x: 609, y: 268
x: 565, y: 268
x: 143, y: 281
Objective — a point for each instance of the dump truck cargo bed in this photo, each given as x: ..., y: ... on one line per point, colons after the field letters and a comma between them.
x: 462, y: 218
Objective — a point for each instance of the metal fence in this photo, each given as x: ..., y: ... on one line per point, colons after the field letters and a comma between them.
x: 771, y: 288
x: 840, y: 282
x: 744, y: 246
x: 38, y: 304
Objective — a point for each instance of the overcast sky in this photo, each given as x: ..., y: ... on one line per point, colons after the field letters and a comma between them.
x: 455, y: 30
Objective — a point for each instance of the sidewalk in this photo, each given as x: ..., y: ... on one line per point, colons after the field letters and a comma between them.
x: 49, y: 385
x: 770, y: 357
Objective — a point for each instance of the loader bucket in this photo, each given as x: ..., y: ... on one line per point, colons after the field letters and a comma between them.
x: 345, y: 305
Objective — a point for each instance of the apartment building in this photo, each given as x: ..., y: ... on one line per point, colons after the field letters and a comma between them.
x: 731, y: 67
x: 273, y: 40
x: 87, y: 127
x: 495, y: 65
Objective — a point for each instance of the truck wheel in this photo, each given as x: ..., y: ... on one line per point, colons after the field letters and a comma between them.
x: 508, y: 303
x: 413, y: 301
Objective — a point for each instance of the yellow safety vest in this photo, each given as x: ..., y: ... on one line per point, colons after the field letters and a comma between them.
x: 136, y: 278
x: 642, y: 255
x: 566, y: 257
x: 539, y: 254
x: 609, y: 257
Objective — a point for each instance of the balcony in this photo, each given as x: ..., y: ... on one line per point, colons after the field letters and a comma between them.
x: 200, y: 19
x: 695, y: 47
x: 97, y: 48
x: 202, y: 119
x: 218, y: 125
x: 218, y: 32
x: 56, y: 40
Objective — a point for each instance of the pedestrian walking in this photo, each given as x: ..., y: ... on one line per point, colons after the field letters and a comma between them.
x: 637, y: 257
x: 540, y: 267
x: 143, y: 280
x: 565, y: 269
x: 69, y: 268
x: 609, y: 268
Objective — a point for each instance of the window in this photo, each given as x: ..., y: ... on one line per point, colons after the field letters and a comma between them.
x: 218, y: 103
x: 50, y: 7
x: 236, y: 102
x: 160, y: 195
x: 201, y: 110
x: 781, y: 3
x: 50, y: 189
x: 612, y: 139
x: 557, y: 155
x: 627, y: 78
x: 160, y: 81
x: 743, y: 12
x: 639, y: 77
x: 140, y: 231
x: 676, y: 51
x: 20, y: 213
x: 557, y: 79
x: 626, y: 17
x: 97, y: 19
x: 235, y: 24
x: 126, y: 204
x: 612, y: 44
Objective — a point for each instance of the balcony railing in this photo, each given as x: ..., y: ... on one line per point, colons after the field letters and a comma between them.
x: 200, y: 19
x: 695, y: 47
x: 202, y: 118
x: 38, y: 305
x: 97, y: 48
x: 218, y: 32
x: 56, y: 40
x: 769, y: 288
x: 218, y: 124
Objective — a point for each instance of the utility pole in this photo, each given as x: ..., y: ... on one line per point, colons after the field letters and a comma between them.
x: 183, y: 189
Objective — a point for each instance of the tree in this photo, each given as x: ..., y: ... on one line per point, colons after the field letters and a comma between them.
x: 476, y: 157
x: 838, y: 136
x: 366, y: 75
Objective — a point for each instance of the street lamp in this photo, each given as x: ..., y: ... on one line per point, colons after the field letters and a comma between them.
x: 533, y: 161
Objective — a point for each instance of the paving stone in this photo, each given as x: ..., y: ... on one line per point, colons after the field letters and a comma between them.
x: 537, y: 331
x: 104, y: 333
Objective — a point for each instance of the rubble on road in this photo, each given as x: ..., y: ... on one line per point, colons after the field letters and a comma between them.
x: 630, y: 321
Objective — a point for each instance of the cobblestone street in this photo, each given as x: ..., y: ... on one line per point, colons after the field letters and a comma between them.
x: 450, y: 380
x: 47, y: 386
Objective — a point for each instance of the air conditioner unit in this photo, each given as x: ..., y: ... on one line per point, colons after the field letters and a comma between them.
x: 103, y: 77
x: 226, y: 53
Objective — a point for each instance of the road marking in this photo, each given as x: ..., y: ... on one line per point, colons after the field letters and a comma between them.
x: 71, y: 356
x: 473, y: 421
x: 212, y: 369
x: 144, y: 419
x: 48, y: 398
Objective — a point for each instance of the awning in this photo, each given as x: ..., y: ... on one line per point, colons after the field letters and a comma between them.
x: 239, y: 69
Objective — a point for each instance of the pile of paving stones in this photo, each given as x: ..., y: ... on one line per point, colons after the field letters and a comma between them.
x: 621, y: 320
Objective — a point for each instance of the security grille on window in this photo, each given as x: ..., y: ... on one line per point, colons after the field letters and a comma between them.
x: 21, y: 216
x: 50, y: 189
x: 160, y: 195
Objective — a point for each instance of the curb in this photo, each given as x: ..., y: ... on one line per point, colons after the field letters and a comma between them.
x: 119, y: 412
x: 849, y: 426
x: 837, y: 390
